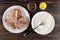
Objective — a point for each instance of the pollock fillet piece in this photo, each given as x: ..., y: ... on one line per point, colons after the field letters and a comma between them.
x: 16, y: 19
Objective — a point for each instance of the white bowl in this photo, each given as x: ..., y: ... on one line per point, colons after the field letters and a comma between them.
x: 48, y: 21
x: 7, y: 26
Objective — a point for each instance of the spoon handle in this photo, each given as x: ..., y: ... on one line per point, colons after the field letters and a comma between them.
x: 28, y: 33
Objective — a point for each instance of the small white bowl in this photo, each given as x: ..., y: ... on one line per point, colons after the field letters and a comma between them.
x: 7, y: 27
x: 48, y: 21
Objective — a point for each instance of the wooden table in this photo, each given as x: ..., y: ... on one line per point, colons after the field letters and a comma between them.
x: 53, y: 7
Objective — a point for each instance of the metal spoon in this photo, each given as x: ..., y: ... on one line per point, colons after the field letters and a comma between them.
x: 29, y: 32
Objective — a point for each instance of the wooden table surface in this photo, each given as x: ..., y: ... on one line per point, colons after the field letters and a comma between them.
x: 53, y: 7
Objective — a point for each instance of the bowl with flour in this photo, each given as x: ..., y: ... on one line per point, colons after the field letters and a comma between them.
x: 47, y: 19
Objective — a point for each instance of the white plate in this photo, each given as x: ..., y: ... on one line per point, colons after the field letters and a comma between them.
x: 7, y: 26
x: 48, y: 21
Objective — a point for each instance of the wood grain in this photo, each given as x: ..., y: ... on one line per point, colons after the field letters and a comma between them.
x: 53, y: 8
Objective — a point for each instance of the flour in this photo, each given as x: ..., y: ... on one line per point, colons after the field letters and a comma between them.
x: 47, y: 19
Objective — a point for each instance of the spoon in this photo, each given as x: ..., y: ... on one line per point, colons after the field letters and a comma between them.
x: 29, y: 32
